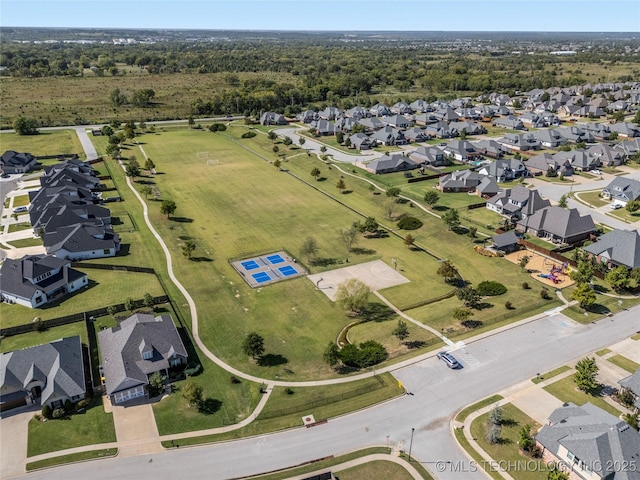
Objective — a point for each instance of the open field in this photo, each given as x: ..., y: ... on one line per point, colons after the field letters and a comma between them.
x: 88, y: 428
x: 45, y: 143
x: 507, y: 449
x: 106, y: 287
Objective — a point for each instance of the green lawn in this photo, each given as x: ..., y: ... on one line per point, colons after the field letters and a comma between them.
x: 604, y: 306
x: 106, y: 287
x: 507, y: 449
x: 465, y: 412
x: 635, y: 337
x: 93, y: 426
x: 566, y: 391
x: 30, y: 339
x: 285, y: 411
x: 20, y: 200
x: 551, y: 374
x: 479, y: 459
x: 45, y: 143
x: 74, y: 457
x: 624, y: 363
x: 18, y: 227
x: 25, y: 242
x: 376, y: 470
x: 602, y: 352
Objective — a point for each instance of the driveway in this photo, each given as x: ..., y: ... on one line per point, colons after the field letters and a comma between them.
x: 13, y: 438
x: 538, y: 404
x: 136, y: 430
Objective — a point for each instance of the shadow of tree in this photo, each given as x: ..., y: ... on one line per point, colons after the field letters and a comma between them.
x: 376, y: 312
x: 471, y: 324
x: 272, y: 360
x: 201, y: 259
x: 508, y: 422
x: 323, y: 262
x: 346, y: 369
x: 209, y: 406
x: 413, y: 344
x: 440, y: 208
x: 181, y: 219
x: 362, y: 251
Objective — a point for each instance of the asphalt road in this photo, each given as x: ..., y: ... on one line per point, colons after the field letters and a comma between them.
x: 490, y: 365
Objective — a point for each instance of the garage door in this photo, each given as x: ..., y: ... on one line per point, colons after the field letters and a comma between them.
x: 129, y: 394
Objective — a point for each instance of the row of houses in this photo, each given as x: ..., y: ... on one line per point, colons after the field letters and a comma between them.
x: 56, y: 372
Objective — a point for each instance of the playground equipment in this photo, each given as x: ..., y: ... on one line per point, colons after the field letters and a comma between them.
x: 556, y: 271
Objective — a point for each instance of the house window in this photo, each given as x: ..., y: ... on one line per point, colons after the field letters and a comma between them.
x: 106, y: 251
x: 38, y: 299
x: 147, y: 355
x: 175, y: 362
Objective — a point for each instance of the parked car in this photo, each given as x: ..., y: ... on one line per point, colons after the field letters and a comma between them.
x: 615, y: 206
x: 596, y: 172
x: 448, y: 359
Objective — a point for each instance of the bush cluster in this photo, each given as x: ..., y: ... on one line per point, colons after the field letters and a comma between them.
x: 369, y: 353
x: 248, y: 135
x: 409, y: 223
x: 490, y: 288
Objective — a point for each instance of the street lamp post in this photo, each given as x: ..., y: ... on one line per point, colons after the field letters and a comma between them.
x: 411, y: 443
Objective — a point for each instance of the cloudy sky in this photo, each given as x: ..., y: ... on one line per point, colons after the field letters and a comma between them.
x: 362, y: 15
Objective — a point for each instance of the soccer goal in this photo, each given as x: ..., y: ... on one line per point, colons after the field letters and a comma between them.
x: 207, y: 158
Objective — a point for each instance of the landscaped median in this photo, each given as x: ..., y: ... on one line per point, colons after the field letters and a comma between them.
x: 71, y: 458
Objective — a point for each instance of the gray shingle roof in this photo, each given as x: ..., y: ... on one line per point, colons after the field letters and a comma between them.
x: 563, y: 223
x: 122, y: 361
x: 632, y: 382
x: 57, y: 364
x: 597, y: 438
x: 505, y: 239
x: 620, y: 246
x: 623, y: 188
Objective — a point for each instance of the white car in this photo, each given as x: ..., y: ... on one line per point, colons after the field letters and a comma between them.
x: 615, y: 206
x: 596, y: 172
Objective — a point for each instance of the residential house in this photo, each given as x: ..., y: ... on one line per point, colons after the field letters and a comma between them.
x: 307, y: 116
x: 462, y: 150
x: 424, y: 119
x: 459, y: 181
x: 440, y: 130
x: 617, y: 248
x: 428, y: 155
x: 134, y: 350
x: 371, y: 124
x: 470, y: 128
x: 489, y: 148
x: 579, y: 159
x: 50, y: 374
x: 509, y: 121
x: 35, y: 280
x: 391, y: 163
x: 330, y: 113
x: 323, y: 127
x: 590, y: 442
x: 401, y: 108
x: 558, y: 225
x: 357, y: 113
x: 549, y: 138
x: 416, y: 134
x: 468, y: 114
x: 447, y: 114
x: 389, y: 136
x: 591, y: 111
x: 532, y: 120
x: 607, y: 155
x: 504, y: 170
x: 344, y: 124
x: 487, y: 188
x: 625, y: 129
x: 599, y: 131
x: 81, y: 242
x: 360, y: 141
x: 13, y: 162
x: 540, y: 165
x: 396, y: 121
x: 632, y: 383
x: 576, y: 134
x: 521, y: 142
x: 420, y: 106
x: 380, y: 110
x: 517, y: 202
x: 629, y: 147
x: 272, y: 118
x: 622, y: 190
x: 619, y: 106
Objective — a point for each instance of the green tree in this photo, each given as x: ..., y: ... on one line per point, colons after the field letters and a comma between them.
x: 632, y: 419
x: 452, y: 218
x: 618, y: 278
x: 340, y: 185
x: 370, y: 226
x: 524, y: 261
x: 447, y: 271
x: 129, y: 304
x: 556, y: 474
x: 112, y: 150
x: 469, y: 296
x: 117, y: 98
x: 309, y: 248
x: 187, y: 248
x: 148, y: 300
x: 315, y: 173
x: 275, y: 149
x: 586, y: 374
x: 409, y: 240
x: 168, y: 208
x: 25, y: 126
x: 393, y: 191
x: 339, y: 138
x: 390, y: 206
x: 584, y: 295
x: 562, y: 203
x: 352, y: 295
x: 277, y: 163
x: 525, y: 439
x: 323, y: 149
x: 272, y: 136
x: 349, y: 236
x: 583, y: 273
x: 156, y: 384
x: 253, y: 345
x: 146, y: 190
x: 633, y: 206
x: 401, y: 332
x: 301, y: 140
x: 149, y: 165
x: 287, y: 142
x: 106, y: 131
x: 133, y: 170
x: 129, y: 133
x: 111, y: 310
x: 331, y: 354
x: 461, y: 314
x: 143, y: 97
x: 496, y: 415
x: 193, y: 393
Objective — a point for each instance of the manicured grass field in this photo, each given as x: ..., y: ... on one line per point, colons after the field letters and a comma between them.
x: 507, y: 450
x: 464, y: 413
x: 377, y: 470
x: 551, y: 374
x: 106, y: 287
x: 20, y: 200
x: 604, y: 306
x: 567, y: 391
x: 74, y: 457
x: 45, y: 143
x: 19, y: 227
x: 93, y: 426
x: 625, y: 363
x: 25, y: 242
x: 24, y: 340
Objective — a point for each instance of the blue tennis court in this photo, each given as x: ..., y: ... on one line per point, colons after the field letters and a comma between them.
x: 250, y: 265
x: 275, y: 259
x: 261, y: 277
x: 287, y: 270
